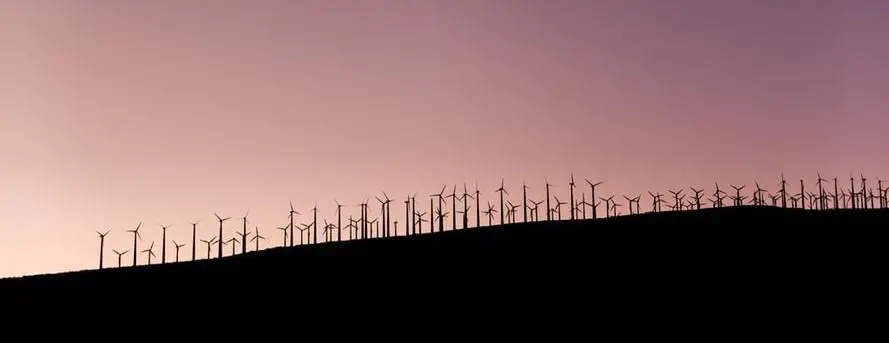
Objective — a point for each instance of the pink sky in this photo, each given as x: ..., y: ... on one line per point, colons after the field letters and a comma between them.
x: 115, y: 112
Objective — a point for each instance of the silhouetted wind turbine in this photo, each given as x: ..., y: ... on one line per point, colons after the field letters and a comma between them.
x: 257, y: 237
x: 407, y: 218
x: 339, y: 220
x: 821, y: 203
x: 136, y: 236
x: 220, y: 231
x: 177, y: 245
x: 558, y: 208
x: 490, y: 213
x: 164, y: 244
x: 593, y: 194
x: 524, y: 202
x: 676, y: 206
x: 882, y: 192
x: 292, y: 212
x: 284, y: 243
x: 608, y: 201
x: 719, y: 194
x: 351, y: 227
x: 233, y: 241
x: 757, y: 196
x: 440, y: 196
x: 209, y: 245
x: 454, y: 198
x: 583, y: 204
x: 119, y: 255
x: 697, y: 196
x: 836, y: 195
x: 102, y: 247
x: 863, y: 191
x: 478, y: 220
x: 194, y: 237
x: 629, y: 202
x: 655, y: 201
x: 802, y: 192
x: 465, y: 206
x: 501, y: 190
x: 534, y: 210
x: 783, y: 191
x: 571, y: 190
x: 420, y: 221
x: 243, y: 241
x: 852, y: 190
x: 315, y: 224
x: 548, y: 213
x: 150, y: 252
x: 511, y: 212
x: 738, y: 194
x: 244, y: 234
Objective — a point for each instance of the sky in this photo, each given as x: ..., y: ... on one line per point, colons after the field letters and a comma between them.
x: 115, y: 112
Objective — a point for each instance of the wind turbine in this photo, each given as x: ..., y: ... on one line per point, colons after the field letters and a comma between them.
x: 583, y: 204
x: 676, y: 205
x: 315, y: 224
x: 465, y: 206
x: 629, y: 202
x: 244, y: 235
x: 783, y: 191
x: 571, y: 189
x: 558, y: 208
x: 758, y: 199
x: 863, y: 191
x: 534, y: 210
x: 136, y: 236
x: 339, y: 221
x: 209, y: 245
x: 177, y: 245
x: 593, y: 189
x: 738, y: 194
x: 243, y: 241
x: 194, y: 237
x: 478, y: 220
x: 292, y: 212
x: 453, y: 197
x: 150, y: 252
x: 802, y: 192
x: 220, y: 231
x: 440, y: 196
x: 164, y: 244
x: 119, y: 255
x: 407, y: 218
x: 697, y: 197
x: 102, y: 247
x: 548, y: 214
x: 524, y: 202
x: 820, y: 191
x: 608, y: 201
x: 489, y: 213
x: 836, y: 192
x: 501, y: 190
x: 233, y: 241
x: 852, y: 190
x: 420, y: 221
x: 284, y: 244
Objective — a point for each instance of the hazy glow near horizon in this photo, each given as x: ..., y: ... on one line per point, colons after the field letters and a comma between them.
x: 164, y: 112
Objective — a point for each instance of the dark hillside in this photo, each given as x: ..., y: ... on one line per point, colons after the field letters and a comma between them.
x: 744, y: 245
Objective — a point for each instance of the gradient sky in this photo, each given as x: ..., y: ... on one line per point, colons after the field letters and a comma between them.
x: 115, y: 112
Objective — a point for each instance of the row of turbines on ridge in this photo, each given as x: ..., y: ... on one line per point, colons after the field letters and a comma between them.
x: 821, y: 198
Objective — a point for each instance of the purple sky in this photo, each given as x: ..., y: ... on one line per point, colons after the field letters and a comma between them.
x: 115, y: 112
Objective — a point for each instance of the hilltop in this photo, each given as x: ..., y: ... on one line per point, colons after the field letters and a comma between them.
x: 744, y: 244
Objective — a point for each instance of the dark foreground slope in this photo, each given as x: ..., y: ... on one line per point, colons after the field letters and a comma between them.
x: 737, y: 246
